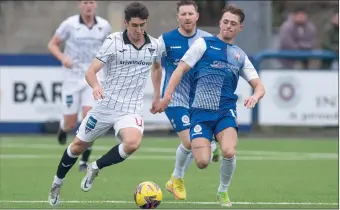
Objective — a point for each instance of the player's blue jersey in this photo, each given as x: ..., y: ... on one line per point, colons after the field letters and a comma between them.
x: 216, y: 75
x: 175, y: 46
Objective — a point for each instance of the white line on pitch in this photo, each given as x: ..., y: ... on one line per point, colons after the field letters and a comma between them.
x: 173, y: 150
x: 186, y: 202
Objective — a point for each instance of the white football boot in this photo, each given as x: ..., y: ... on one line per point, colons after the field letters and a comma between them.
x: 87, y: 182
x: 54, y: 194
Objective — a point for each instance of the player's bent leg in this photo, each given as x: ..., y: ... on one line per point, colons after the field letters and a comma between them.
x: 201, y: 150
x: 68, y: 123
x: 201, y: 136
x: 129, y: 130
x: 92, y: 126
x: 228, y: 141
x: 68, y: 159
x: 83, y: 163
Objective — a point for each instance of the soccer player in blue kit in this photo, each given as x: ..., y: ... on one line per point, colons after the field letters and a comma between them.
x: 217, y: 65
x: 174, y: 44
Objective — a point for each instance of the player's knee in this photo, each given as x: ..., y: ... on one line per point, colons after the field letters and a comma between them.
x: 228, y: 152
x: 186, y: 145
x: 202, y: 164
x: 78, y: 147
x: 131, y: 145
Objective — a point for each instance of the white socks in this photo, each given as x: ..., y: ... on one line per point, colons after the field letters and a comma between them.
x: 189, y: 161
x: 61, y: 124
x: 213, y: 146
x: 57, y: 180
x: 227, y: 169
x: 183, y: 160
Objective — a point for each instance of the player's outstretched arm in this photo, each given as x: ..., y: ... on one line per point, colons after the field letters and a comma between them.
x: 189, y: 60
x: 259, y: 92
x: 175, y: 79
x: 258, y: 87
x: 250, y: 75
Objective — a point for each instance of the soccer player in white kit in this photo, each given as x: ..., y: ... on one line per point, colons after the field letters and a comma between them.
x: 83, y: 35
x: 126, y: 58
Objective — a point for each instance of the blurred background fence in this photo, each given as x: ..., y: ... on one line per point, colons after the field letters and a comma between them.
x: 301, y: 94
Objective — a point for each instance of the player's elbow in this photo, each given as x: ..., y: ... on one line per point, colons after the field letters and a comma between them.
x: 87, y: 76
x: 50, y: 46
x: 183, y: 67
x: 260, y: 90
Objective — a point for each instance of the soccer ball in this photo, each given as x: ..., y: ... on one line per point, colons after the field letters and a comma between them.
x: 148, y: 195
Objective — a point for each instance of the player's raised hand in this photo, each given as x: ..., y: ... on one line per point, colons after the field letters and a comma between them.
x: 250, y: 102
x: 98, y: 93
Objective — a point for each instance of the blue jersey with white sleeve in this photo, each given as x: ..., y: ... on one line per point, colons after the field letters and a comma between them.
x: 217, y: 67
x: 174, y: 45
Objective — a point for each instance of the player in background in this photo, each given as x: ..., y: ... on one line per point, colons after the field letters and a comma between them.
x: 82, y: 35
x: 217, y: 66
x: 126, y: 59
x: 173, y: 45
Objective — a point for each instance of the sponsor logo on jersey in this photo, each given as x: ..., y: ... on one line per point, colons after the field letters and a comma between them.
x: 141, y: 62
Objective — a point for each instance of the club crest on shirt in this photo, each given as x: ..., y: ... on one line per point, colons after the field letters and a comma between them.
x: 151, y: 50
x: 237, y: 56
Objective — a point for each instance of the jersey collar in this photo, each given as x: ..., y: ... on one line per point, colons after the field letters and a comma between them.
x: 127, y: 40
x: 187, y: 36
x: 81, y: 21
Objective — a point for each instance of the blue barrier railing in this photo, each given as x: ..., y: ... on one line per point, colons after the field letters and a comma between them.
x: 287, y: 54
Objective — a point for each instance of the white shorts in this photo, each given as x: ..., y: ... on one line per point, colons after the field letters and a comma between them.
x: 99, y: 120
x: 76, y: 95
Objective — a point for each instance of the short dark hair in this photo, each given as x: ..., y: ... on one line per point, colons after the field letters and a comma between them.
x: 186, y: 2
x: 233, y: 9
x: 136, y: 10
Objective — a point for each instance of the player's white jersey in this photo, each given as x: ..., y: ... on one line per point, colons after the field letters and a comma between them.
x: 126, y: 70
x: 81, y: 43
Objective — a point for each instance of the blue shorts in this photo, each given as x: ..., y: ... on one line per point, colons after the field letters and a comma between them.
x: 179, y: 118
x: 207, y: 123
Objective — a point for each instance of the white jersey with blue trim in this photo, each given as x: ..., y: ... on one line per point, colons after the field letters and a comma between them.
x: 217, y: 67
x: 173, y: 46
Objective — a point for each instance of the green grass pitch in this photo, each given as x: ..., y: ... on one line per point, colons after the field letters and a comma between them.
x: 270, y: 173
